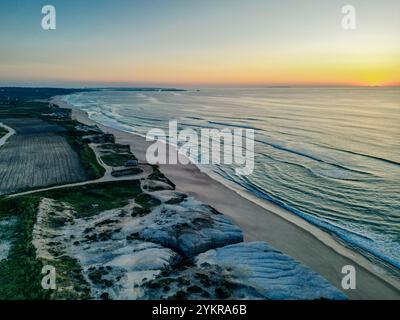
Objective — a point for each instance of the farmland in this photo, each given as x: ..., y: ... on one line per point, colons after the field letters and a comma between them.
x: 38, y: 155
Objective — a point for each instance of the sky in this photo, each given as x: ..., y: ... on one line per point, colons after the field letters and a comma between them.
x: 200, y: 43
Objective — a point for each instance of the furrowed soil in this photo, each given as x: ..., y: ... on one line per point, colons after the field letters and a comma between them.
x: 37, y: 156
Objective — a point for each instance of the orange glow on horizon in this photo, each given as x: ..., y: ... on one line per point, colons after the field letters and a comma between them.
x: 256, y: 70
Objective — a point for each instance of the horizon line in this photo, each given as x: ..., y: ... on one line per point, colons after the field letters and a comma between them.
x: 210, y: 86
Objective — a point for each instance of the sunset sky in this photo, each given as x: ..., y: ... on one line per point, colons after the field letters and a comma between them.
x: 200, y: 43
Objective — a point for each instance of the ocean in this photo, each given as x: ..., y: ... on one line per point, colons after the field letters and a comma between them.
x: 329, y: 155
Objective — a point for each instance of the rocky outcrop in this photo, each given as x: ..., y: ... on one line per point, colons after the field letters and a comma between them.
x: 252, y: 270
x: 166, y: 245
x: 270, y: 273
x: 189, y: 227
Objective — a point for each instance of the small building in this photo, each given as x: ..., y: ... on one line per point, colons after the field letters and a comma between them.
x: 108, y: 138
x: 132, y: 163
x: 100, y: 138
x: 88, y: 129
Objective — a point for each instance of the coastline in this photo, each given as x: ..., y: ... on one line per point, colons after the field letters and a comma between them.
x: 263, y: 220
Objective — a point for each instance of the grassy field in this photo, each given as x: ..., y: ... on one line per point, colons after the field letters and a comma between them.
x: 116, y: 155
x: 91, y: 199
x: 27, y: 109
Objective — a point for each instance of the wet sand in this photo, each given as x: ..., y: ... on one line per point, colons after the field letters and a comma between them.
x: 265, y: 221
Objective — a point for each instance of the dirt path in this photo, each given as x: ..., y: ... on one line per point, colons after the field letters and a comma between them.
x: 107, y: 177
x: 10, y: 133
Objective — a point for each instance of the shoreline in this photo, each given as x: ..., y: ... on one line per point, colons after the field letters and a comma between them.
x: 266, y: 221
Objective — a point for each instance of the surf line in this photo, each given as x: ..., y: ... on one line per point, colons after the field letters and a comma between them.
x: 213, y: 146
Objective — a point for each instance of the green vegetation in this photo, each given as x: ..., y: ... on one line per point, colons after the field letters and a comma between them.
x: 126, y: 172
x: 87, y: 157
x: 116, y: 147
x: 140, y: 212
x: 147, y: 201
x: 116, y: 155
x: 188, y: 280
x: 117, y: 160
x: 96, y: 275
x: 21, y: 274
x: 178, y: 198
x: 25, y: 109
x: 157, y: 175
x: 91, y: 199
x: 13, y: 95
x: 70, y: 278
x: 68, y: 123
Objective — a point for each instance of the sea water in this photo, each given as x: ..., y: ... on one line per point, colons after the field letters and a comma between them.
x: 329, y: 155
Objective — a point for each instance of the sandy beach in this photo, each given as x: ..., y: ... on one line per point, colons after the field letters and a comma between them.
x: 265, y: 221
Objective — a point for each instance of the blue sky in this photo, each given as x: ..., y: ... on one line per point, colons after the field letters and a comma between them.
x: 219, y: 42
